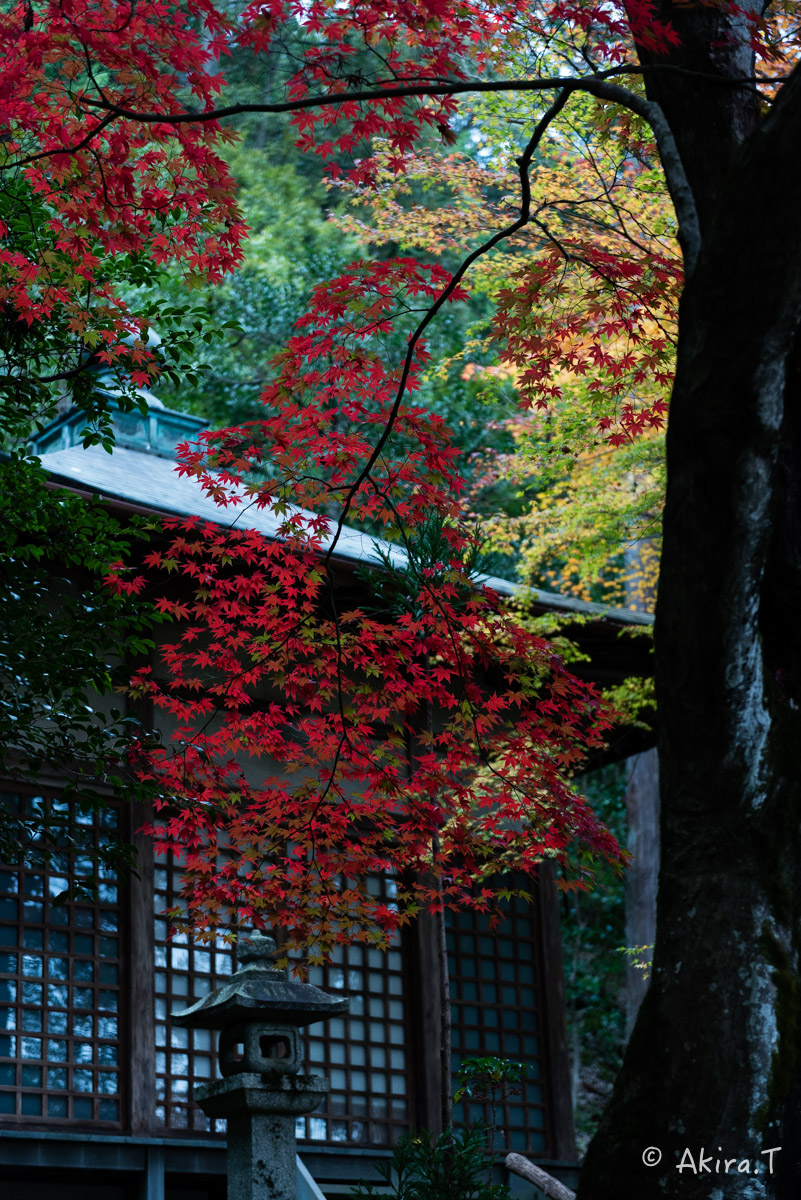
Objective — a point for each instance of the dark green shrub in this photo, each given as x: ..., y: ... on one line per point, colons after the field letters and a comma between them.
x: 453, y: 1166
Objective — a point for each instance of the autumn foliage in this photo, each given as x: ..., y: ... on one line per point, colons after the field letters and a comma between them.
x: 425, y: 734
x: 421, y: 731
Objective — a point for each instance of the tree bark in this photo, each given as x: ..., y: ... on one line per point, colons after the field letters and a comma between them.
x: 713, y: 1066
x: 709, y: 112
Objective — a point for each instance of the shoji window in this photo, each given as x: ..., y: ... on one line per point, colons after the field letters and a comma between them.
x: 497, y: 1004
x: 364, y: 1055
x: 185, y: 971
x: 60, y: 986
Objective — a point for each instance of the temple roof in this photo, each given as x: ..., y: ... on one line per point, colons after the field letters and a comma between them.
x: 141, y: 480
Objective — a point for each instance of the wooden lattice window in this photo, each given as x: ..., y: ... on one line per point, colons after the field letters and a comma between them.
x: 496, y: 993
x: 185, y: 971
x: 60, y: 985
x: 364, y: 1055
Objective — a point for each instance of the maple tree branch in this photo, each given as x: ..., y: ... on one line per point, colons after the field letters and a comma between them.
x: 58, y: 377
x: 524, y: 162
x: 458, y: 652
x: 419, y: 89
x: 570, y: 256
x: 689, y: 233
x: 599, y: 85
x: 83, y: 144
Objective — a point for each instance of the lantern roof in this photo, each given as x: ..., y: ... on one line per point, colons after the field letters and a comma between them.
x: 260, y: 993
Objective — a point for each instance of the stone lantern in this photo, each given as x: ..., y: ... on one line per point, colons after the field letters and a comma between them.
x: 261, y: 1092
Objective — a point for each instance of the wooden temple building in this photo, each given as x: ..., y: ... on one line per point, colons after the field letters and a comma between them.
x: 95, y: 1080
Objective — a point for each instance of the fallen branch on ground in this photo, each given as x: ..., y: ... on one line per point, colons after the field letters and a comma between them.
x: 527, y: 1170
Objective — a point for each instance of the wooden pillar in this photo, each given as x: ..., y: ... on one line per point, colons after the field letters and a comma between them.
x: 642, y: 877
x: 151, y: 1184
x: 141, y: 1023
x: 425, y: 1020
x: 642, y: 807
x: 554, y: 1016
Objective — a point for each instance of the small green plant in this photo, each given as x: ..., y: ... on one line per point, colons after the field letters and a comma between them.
x: 490, y: 1080
x: 452, y: 1166
x: 639, y: 957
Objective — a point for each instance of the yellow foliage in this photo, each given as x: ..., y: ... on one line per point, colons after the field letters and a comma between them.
x: 601, y: 341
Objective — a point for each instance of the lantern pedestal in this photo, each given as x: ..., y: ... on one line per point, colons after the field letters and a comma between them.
x: 261, y: 1113
x: 262, y: 1091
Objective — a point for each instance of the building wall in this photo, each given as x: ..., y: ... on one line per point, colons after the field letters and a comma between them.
x: 95, y: 1082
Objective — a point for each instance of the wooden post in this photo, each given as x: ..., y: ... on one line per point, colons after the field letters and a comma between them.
x: 424, y: 1000
x: 553, y: 994
x: 642, y: 877
x: 152, y: 1181
x: 141, y: 1022
x: 642, y: 807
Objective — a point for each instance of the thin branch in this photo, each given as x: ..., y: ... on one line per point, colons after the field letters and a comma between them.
x: 689, y: 232
x: 524, y: 162
x: 70, y: 373
x: 85, y: 141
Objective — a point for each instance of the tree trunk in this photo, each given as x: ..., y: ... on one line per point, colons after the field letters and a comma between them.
x: 713, y: 1067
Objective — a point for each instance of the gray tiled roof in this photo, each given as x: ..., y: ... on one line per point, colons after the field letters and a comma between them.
x: 153, y: 483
